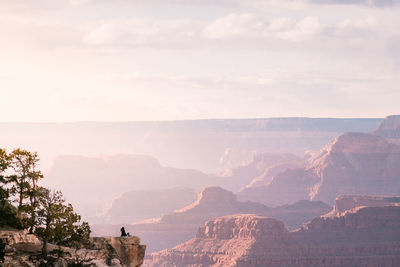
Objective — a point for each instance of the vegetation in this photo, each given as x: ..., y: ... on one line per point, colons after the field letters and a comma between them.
x: 7, y: 211
x: 41, y: 210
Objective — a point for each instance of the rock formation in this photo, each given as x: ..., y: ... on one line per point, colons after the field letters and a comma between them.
x: 23, y: 249
x: 103, y: 178
x: 353, y: 163
x: 389, y: 127
x: 126, y: 249
x: 213, y: 202
x: 366, y: 236
x: 239, y: 177
x: 153, y: 204
x: 348, y: 202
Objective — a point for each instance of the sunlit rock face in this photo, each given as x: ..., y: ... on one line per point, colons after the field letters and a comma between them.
x: 364, y: 236
x: 127, y: 250
x: 225, y: 242
x: 24, y: 249
x: 352, y: 164
x: 389, y: 127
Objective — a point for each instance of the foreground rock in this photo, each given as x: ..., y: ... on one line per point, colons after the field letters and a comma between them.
x: 368, y: 236
x: 126, y: 249
x: 23, y: 249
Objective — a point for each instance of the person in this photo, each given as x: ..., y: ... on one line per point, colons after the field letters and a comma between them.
x: 123, y: 233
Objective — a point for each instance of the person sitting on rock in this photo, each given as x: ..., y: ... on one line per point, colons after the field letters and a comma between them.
x: 123, y: 233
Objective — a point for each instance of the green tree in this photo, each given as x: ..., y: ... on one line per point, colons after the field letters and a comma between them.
x: 58, y: 223
x: 4, y: 163
x: 7, y: 211
x: 24, y: 181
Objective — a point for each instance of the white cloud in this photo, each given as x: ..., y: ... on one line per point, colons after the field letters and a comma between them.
x: 141, y: 32
x: 251, y: 26
x: 235, y: 26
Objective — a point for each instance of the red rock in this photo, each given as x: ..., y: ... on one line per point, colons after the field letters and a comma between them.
x: 366, y: 236
x: 352, y: 164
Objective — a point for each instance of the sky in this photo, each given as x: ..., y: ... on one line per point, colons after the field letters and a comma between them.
x: 136, y: 60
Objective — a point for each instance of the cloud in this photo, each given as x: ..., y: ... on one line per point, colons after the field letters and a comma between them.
x: 234, y: 26
x: 179, y: 33
x: 369, y: 3
x: 251, y: 26
x: 142, y: 32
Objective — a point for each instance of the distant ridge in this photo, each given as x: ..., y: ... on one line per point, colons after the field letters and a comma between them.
x: 389, y: 127
x: 249, y: 124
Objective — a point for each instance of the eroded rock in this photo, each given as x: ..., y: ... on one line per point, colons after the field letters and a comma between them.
x: 364, y: 236
x: 24, y: 249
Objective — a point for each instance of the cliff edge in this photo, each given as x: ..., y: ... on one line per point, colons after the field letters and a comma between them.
x: 19, y: 248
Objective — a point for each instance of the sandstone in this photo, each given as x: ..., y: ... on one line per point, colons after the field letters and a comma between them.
x: 364, y: 236
x: 179, y: 226
x: 351, y: 164
x: 24, y: 249
x: 348, y: 202
x: 389, y: 127
x: 13, y: 237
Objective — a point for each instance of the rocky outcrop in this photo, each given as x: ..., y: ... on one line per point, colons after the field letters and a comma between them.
x: 348, y: 202
x: 213, y: 202
x: 352, y: 164
x: 389, y: 127
x: 225, y: 242
x: 23, y: 249
x: 127, y: 250
x: 368, y: 236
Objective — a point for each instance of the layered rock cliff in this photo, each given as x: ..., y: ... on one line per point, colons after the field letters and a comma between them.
x: 366, y: 236
x: 348, y: 202
x: 213, y: 202
x: 353, y: 163
x: 389, y: 127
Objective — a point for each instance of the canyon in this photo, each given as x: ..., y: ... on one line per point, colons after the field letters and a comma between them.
x: 179, y: 226
x: 353, y: 163
x: 364, y: 236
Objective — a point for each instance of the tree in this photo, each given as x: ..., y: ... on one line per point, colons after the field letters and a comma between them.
x: 8, y: 212
x: 58, y: 223
x: 4, y: 163
x: 25, y: 182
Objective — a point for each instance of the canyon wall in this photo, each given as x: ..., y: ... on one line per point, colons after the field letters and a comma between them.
x: 364, y: 236
x: 351, y: 164
x: 389, y: 127
x: 179, y: 226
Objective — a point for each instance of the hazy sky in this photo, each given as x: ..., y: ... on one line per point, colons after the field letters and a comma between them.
x: 119, y: 60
